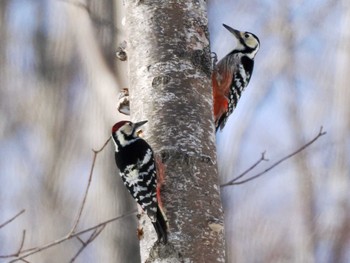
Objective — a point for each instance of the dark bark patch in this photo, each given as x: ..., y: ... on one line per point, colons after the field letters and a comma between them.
x: 160, y: 80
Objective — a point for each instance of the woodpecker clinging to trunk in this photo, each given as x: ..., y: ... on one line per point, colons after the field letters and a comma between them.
x: 135, y: 160
x: 232, y: 74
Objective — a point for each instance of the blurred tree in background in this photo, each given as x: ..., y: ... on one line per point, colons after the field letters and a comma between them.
x: 59, y: 82
x: 58, y: 101
x: 300, y: 211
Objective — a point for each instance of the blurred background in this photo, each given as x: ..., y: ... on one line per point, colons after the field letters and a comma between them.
x: 59, y: 84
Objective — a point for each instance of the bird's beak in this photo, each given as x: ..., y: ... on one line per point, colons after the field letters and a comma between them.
x: 139, y: 124
x: 235, y: 32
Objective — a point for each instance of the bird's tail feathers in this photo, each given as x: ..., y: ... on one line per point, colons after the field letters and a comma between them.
x: 161, y: 227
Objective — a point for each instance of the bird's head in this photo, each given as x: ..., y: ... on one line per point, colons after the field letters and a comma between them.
x: 247, y: 42
x: 124, y: 132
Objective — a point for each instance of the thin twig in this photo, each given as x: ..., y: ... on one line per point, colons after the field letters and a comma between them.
x: 71, y: 233
x: 80, y: 240
x: 88, y: 241
x: 65, y: 238
x: 88, y: 186
x: 13, y: 218
x: 96, y: 234
x: 19, y: 250
x: 22, y: 242
x: 105, y: 144
x: 320, y: 133
x: 78, y: 253
x: 262, y: 158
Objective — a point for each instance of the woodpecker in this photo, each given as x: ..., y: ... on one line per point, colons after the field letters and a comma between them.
x: 135, y: 160
x: 232, y: 74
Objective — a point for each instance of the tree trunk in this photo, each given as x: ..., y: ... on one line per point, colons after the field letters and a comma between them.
x: 339, y: 183
x: 170, y: 86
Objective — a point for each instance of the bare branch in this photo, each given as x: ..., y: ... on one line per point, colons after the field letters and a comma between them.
x: 22, y: 242
x: 234, y: 181
x: 19, y: 250
x: 98, y: 228
x: 80, y: 240
x: 90, y: 239
x: 104, y: 145
x: 65, y: 238
x: 96, y: 233
x: 13, y: 218
x: 88, y: 186
x: 104, y: 223
x: 262, y: 158
x: 78, y: 253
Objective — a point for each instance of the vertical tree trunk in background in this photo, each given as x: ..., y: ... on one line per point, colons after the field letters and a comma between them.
x: 305, y: 245
x: 57, y: 101
x: 339, y: 180
x: 170, y: 86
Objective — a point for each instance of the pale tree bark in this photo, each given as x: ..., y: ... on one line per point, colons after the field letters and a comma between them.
x: 169, y: 75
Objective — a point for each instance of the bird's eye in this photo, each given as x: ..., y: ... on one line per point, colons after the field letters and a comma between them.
x: 246, y: 35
